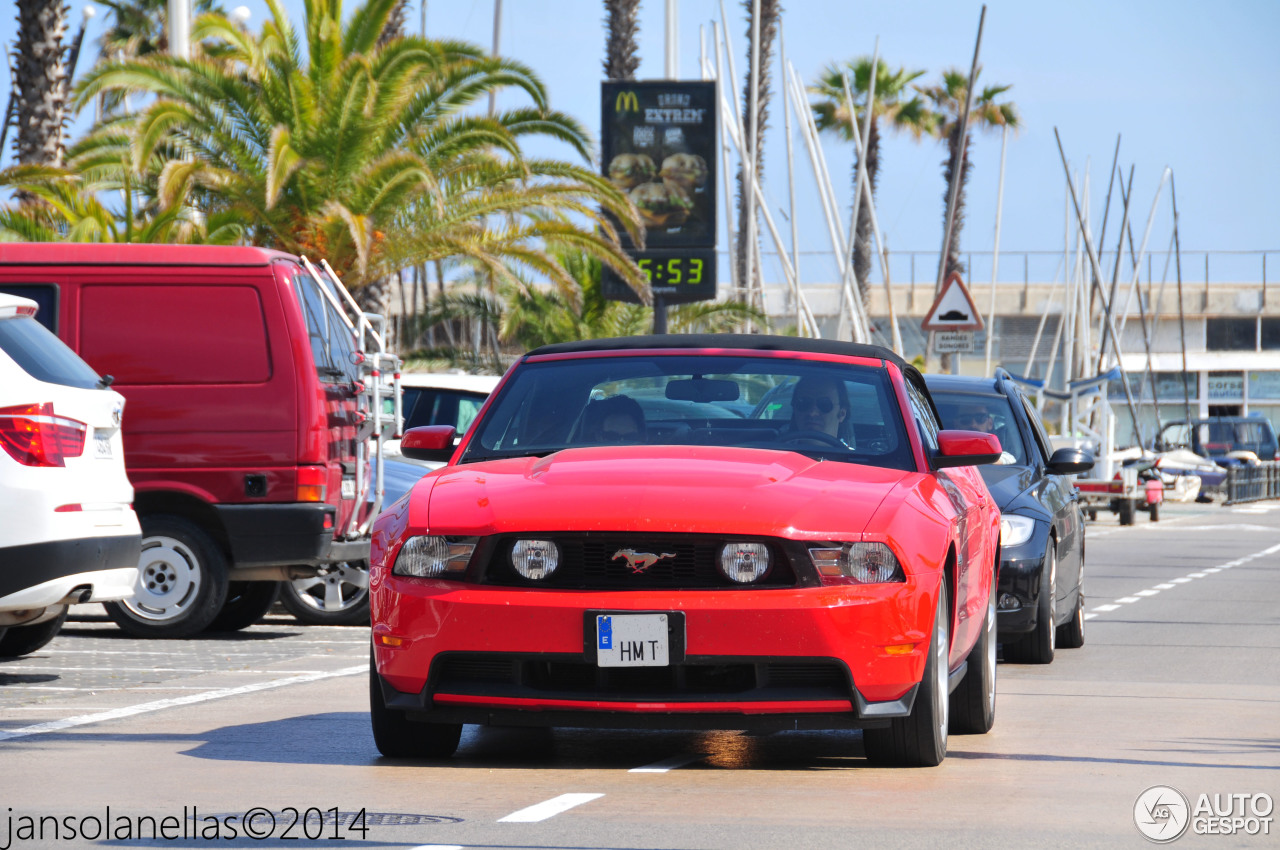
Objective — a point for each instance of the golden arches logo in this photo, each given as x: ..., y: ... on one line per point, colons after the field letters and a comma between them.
x: 626, y: 101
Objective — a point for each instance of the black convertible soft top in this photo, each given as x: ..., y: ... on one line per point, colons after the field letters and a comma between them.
x: 749, y: 342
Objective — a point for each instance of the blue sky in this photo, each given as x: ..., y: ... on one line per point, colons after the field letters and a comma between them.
x: 1187, y: 85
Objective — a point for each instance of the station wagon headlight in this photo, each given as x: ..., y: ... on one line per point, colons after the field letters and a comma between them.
x: 863, y: 563
x: 535, y: 559
x: 434, y: 557
x: 1015, y: 530
x: 744, y: 562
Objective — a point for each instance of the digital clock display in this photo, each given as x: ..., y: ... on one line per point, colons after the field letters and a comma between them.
x: 678, y: 276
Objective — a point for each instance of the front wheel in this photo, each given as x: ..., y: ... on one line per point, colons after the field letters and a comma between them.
x: 973, y: 703
x: 339, y: 596
x: 398, y: 737
x: 920, y: 738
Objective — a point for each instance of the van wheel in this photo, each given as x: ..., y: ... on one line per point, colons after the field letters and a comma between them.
x: 182, y: 581
x: 24, y: 640
x: 247, y: 602
x: 337, y: 597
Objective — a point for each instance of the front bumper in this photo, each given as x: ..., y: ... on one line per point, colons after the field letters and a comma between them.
x: 795, y: 658
x: 1020, y: 581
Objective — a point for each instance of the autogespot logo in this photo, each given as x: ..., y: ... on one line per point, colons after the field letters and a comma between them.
x: 1161, y: 814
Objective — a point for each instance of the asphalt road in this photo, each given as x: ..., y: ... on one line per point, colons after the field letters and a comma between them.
x: 1178, y: 685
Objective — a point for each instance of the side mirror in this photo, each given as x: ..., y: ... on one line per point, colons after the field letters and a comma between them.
x: 1069, y: 461
x: 966, y: 448
x: 430, y: 442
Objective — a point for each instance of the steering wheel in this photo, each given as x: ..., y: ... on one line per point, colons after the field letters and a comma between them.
x: 814, y: 437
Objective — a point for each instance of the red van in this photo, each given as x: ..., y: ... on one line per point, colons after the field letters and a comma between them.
x: 249, y: 383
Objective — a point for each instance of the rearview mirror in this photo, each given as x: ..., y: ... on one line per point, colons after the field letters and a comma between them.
x: 965, y: 448
x: 1069, y: 461
x: 429, y: 442
x: 703, y: 389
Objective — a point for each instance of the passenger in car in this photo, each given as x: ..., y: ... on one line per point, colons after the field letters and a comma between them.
x: 615, y: 420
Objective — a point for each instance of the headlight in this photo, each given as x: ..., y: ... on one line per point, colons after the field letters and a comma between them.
x: 1015, y: 530
x: 744, y: 562
x: 433, y: 557
x: 535, y: 559
x: 865, y: 563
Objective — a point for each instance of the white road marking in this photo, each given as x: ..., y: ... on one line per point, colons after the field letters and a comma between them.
x: 160, y: 705
x: 668, y: 764
x: 549, y: 809
x: 60, y: 669
x: 438, y: 847
x: 1187, y: 579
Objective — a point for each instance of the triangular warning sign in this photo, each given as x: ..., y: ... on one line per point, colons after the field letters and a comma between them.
x: 953, y: 309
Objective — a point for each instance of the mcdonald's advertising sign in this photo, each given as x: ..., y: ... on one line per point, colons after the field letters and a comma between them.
x: 658, y: 142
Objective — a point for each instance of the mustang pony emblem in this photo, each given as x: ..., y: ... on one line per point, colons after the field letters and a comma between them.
x: 638, y: 562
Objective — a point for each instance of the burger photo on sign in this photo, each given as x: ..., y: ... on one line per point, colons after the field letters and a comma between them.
x: 629, y: 170
x: 661, y: 205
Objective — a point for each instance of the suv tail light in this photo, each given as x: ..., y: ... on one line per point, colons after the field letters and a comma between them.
x: 311, y: 483
x: 34, y: 436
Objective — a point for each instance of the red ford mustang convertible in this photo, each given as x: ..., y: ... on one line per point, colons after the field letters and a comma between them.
x: 692, y: 532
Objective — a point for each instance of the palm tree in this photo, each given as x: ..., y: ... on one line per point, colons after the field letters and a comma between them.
x: 831, y: 113
x: 621, y: 53
x: 364, y: 152
x: 986, y: 113
x: 770, y: 12
x: 136, y: 28
x: 40, y: 82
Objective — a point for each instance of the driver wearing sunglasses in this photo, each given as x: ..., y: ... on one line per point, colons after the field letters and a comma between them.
x: 819, y: 404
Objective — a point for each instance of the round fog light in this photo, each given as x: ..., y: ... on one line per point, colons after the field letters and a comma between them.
x: 744, y: 562
x: 1009, y: 602
x: 535, y: 559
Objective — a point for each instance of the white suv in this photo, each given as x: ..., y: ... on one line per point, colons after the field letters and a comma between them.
x: 68, y: 532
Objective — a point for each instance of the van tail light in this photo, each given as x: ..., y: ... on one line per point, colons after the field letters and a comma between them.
x: 34, y: 436
x: 311, y: 483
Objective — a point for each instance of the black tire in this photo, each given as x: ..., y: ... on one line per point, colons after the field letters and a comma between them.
x: 398, y: 737
x: 973, y: 702
x: 1038, y: 646
x: 182, y: 581
x: 1154, y: 511
x: 920, y: 738
x: 1126, y: 511
x: 340, y: 597
x: 24, y: 640
x: 1093, y: 514
x: 1071, y: 633
x: 247, y: 602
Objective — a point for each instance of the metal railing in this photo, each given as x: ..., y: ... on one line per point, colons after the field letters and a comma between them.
x: 1253, y: 483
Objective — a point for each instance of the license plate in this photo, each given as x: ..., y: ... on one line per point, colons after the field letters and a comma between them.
x: 348, y: 488
x: 102, y: 446
x: 632, y: 640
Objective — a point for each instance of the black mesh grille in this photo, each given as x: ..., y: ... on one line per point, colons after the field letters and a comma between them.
x: 601, y: 562
x: 504, y: 675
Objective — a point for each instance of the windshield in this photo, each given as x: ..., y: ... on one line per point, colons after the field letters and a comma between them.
x: 991, y: 414
x: 828, y: 410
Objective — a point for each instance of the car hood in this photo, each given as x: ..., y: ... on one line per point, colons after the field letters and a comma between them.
x: 1007, y: 483
x: 659, y: 489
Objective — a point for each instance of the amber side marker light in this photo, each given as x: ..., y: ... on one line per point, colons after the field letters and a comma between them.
x: 899, y: 649
x: 388, y: 640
